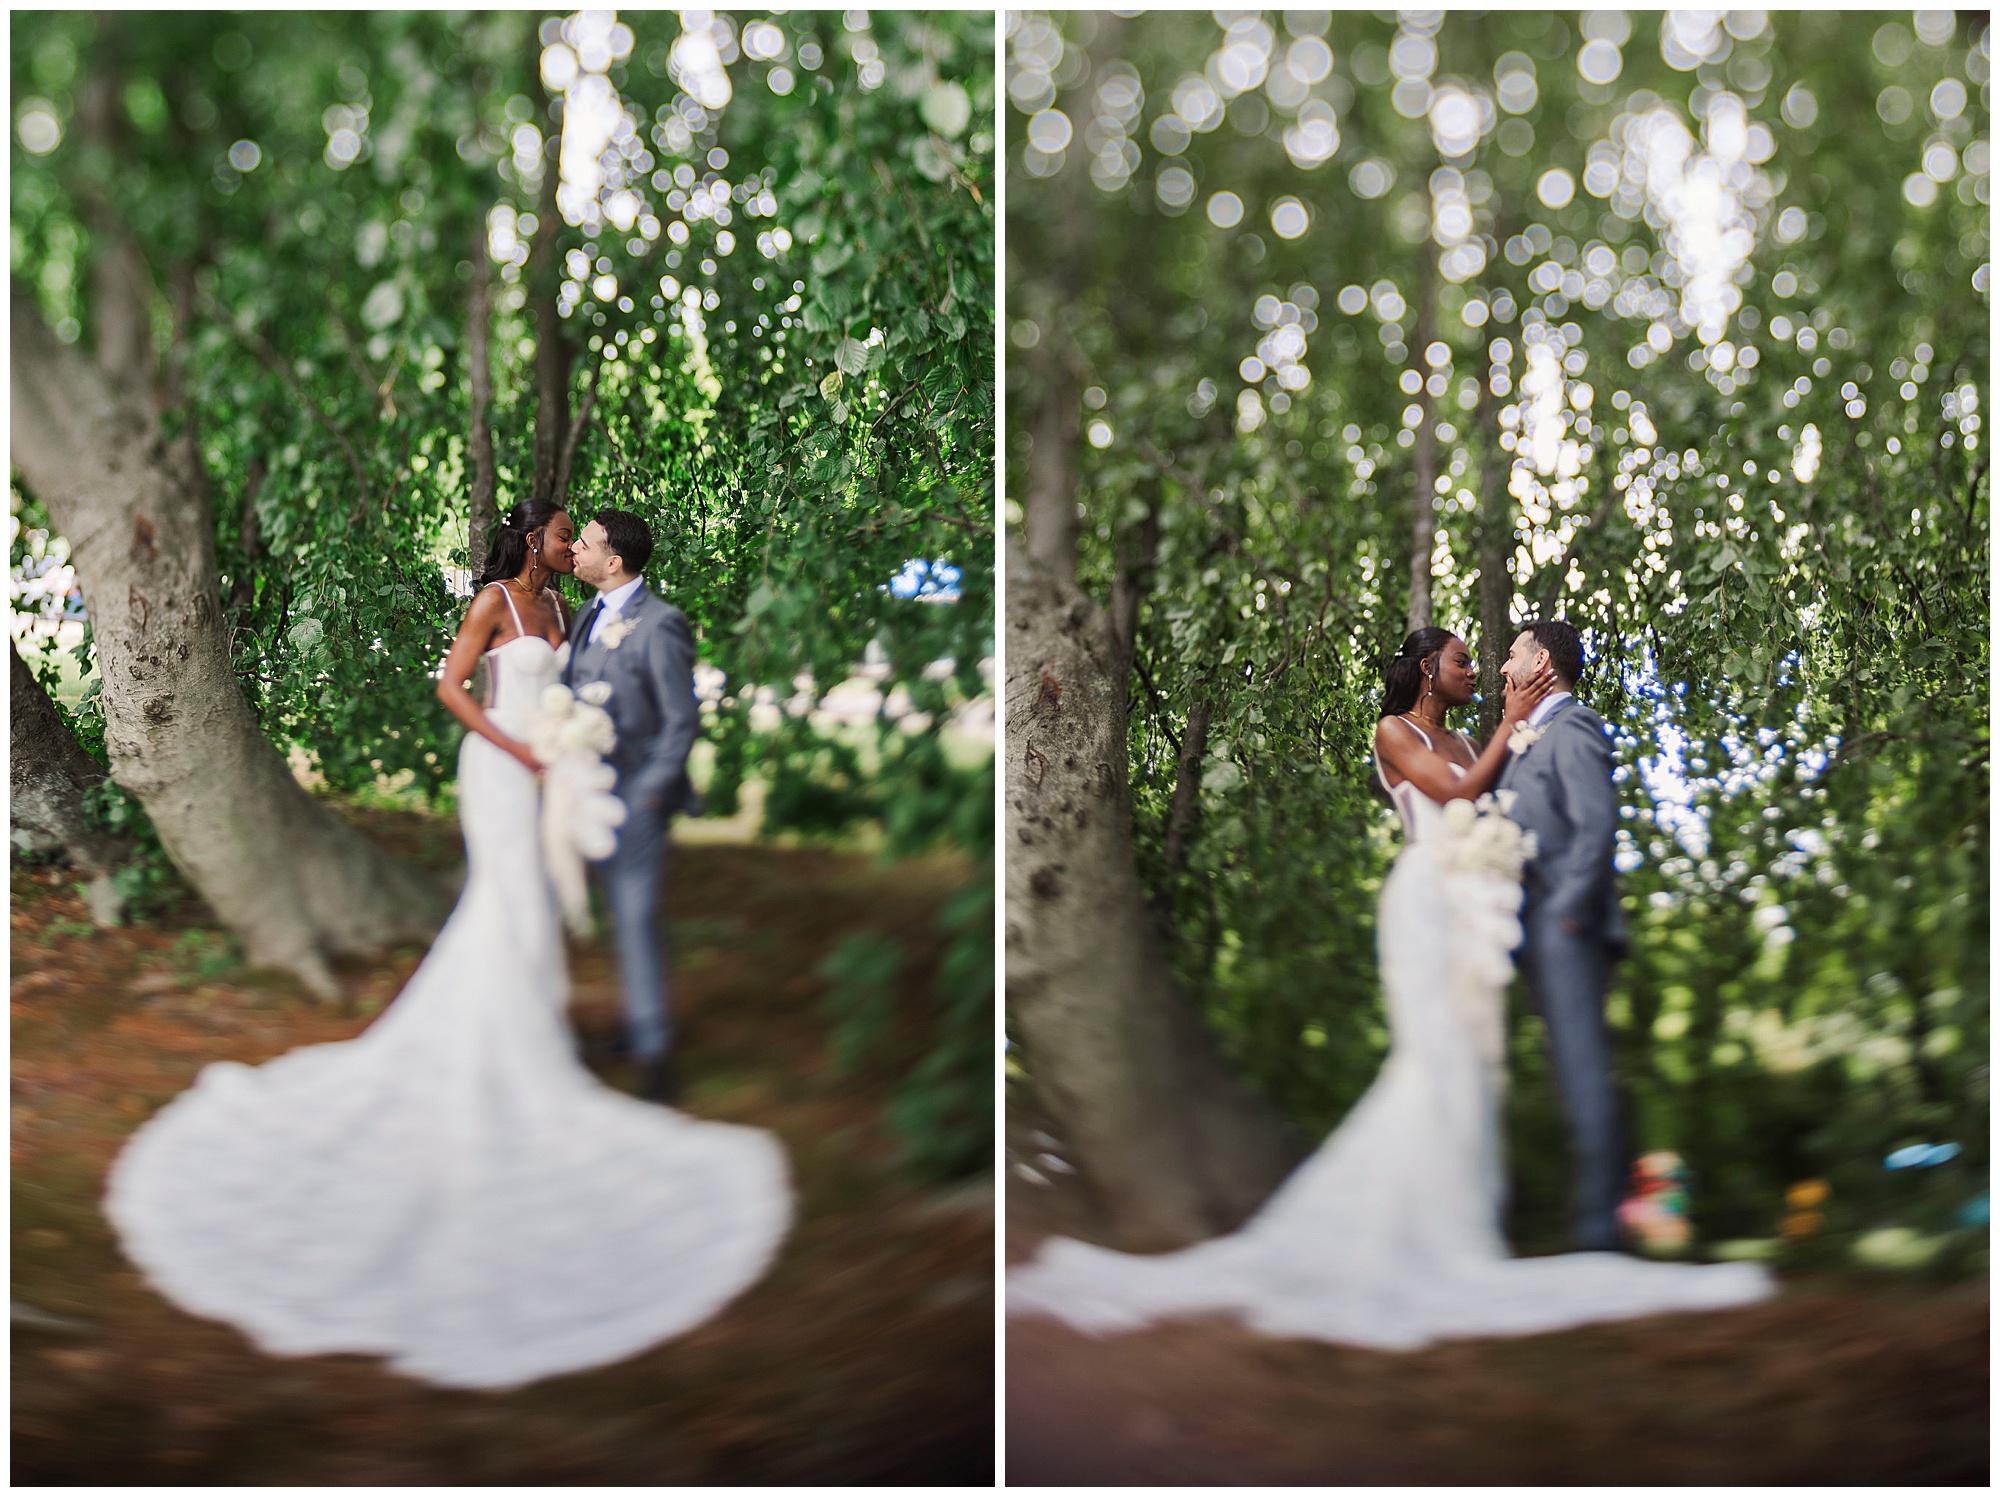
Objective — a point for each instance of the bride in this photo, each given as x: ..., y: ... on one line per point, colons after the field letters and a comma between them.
x: 1389, y: 1236
x: 452, y: 1189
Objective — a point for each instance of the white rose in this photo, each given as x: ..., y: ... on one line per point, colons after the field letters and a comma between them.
x: 596, y: 693
x: 557, y: 699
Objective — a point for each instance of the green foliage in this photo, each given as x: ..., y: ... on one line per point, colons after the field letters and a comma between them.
x: 146, y: 881
x: 206, y: 954
x: 1788, y: 631
x: 307, y: 190
x: 861, y: 994
x: 945, y: 1109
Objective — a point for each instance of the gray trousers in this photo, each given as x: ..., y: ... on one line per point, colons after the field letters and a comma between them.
x: 1566, y: 975
x: 631, y: 879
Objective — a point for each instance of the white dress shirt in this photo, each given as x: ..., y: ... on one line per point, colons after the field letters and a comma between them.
x: 1546, y: 706
x: 611, y: 603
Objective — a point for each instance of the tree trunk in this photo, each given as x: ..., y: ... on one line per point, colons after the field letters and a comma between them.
x: 1186, y: 811
x: 1495, y: 550
x: 47, y: 775
x: 485, y: 493
x: 1174, y: 1146
x: 280, y: 870
x: 1423, y: 456
x: 553, y: 350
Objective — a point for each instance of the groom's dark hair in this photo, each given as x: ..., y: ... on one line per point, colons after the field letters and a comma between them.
x: 1564, y: 644
x: 626, y: 533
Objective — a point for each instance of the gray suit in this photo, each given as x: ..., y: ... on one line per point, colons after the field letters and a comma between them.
x: 1565, y: 797
x: 653, y: 704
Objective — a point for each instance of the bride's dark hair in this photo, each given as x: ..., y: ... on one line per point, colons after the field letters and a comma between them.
x: 1403, y: 676
x: 509, y: 551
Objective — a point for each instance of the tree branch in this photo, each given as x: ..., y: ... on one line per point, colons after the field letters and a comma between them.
x: 559, y: 490
x: 485, y: 494
x: 1139, y: 552
x: 1423, y: 457
x: 268, y: 357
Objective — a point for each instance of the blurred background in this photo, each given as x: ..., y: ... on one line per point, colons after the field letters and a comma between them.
x: 374, y: 278
x: 1675, y: 325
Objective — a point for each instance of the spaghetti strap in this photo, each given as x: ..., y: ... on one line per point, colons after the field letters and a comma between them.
x: 1379, y: 775
x: 508, y: 593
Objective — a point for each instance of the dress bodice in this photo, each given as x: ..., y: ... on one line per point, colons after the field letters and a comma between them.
x: 522, y: 669
x: 1421, y: 815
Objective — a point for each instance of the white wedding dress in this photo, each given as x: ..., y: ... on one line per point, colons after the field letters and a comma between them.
x: 1389, y: 1236
x: 452, y: 1189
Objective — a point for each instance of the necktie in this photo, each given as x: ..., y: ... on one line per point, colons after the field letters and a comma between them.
x: 589, y: 621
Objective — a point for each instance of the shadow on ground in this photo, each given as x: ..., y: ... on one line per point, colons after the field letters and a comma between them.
x: 864, y: 1357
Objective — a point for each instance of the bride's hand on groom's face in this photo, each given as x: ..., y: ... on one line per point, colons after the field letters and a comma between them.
x: 1524, y: 696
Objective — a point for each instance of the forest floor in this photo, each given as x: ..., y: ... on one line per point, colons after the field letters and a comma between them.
x: 864, y: 1357
x: 1838, y: 1380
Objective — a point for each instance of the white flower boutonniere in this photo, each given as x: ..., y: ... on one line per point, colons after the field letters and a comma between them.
x: 614, y: 631
x: 1524, y: 738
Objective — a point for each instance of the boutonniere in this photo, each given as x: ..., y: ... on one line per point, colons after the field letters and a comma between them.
x: 614, y: 632
x: 1524, y: 738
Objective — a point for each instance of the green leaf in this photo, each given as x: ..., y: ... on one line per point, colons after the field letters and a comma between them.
x: 830, y: 257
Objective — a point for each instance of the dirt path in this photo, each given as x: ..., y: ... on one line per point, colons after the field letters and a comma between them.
x: 1833, y: 1382
x: 864, y: 1357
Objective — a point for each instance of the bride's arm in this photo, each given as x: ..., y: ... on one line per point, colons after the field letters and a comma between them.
x: 1403, y: 751
x: 482, y: 621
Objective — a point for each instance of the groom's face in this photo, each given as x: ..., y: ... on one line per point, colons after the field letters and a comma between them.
x: 1523, y: 660
x: 596, y: 562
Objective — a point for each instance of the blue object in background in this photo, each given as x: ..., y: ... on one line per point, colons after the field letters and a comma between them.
x: 1978, y: 1211
x: 927, y: 581
x: 1921, y: 1156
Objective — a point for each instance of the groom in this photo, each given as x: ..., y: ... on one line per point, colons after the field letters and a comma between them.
x: 644, y: 649
x: 1571, y: 921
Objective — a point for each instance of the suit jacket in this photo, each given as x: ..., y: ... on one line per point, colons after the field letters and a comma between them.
x: 1565, y: 797
x: 653, y: 703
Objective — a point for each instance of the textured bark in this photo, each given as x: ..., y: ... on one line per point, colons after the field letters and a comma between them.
x: 485, y: 491
x: 278, y: 868
x: 1495, y: 549
x: 1174, y: 1145
x: 553, y: 350
x: 1423, y: 457
x: 47, y: 775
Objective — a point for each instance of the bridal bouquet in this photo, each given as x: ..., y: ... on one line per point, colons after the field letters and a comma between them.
x: 1478, y: 840
x: 580, y: 815
x: 1481, y: 839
